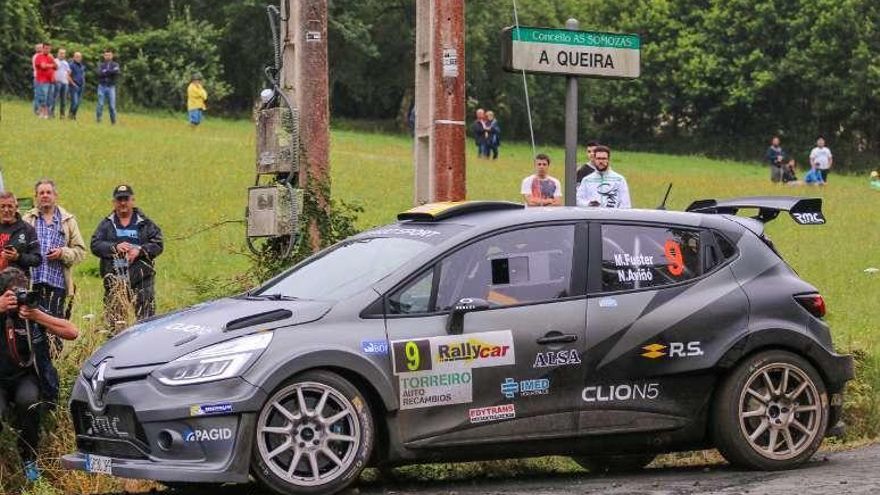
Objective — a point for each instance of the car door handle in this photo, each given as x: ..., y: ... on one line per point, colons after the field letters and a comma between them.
x: 558, y: 339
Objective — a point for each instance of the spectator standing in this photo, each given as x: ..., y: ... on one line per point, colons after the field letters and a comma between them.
x: 28, y: 379
x: 38, y: 49
x: 128, y: 243
x: 62, y: 84
x: 491, y: 135
x: 108, y: 72
x: 61, y: 247
x: 820, y: 158
x: 19, y: 246
x: 587, y: 168
x: 195, y: 100
x: 540, y: 189
x: 477, y: 132
x: 776, y: 158
x: 603, y: 188
x: 78, y: 83
x: 44, y: 66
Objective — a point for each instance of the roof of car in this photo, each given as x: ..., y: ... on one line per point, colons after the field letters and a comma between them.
x: 504, y: 217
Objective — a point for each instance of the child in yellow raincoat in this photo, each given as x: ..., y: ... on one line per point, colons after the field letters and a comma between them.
x: 195, y: 100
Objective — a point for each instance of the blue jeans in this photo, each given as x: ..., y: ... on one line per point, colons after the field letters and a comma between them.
x: 76, y: 93
x: 59, y: 96
x: 36, y: 97
x: 108, y: 92
x: 43, y: 92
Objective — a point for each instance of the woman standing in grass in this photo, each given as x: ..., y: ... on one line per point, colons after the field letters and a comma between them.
x: 195, y: 100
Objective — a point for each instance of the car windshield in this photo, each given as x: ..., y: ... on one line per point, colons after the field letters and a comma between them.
x: 345, y: 270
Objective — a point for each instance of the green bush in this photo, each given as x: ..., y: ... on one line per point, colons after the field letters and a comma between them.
x: 20, y: 29
x: 156, y: 64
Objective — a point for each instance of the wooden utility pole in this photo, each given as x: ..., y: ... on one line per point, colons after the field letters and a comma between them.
x: 305, y: 81
x: 440, y: 130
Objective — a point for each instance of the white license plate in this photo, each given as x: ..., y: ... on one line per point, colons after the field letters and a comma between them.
x: 98, y: 464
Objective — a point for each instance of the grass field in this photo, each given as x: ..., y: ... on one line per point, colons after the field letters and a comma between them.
x: 186, y: 180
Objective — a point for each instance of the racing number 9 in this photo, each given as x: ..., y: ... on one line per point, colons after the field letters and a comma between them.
x: 411, y: 355
x: 672, y: 250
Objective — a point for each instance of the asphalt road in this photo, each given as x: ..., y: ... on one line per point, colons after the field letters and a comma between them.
x: 850, y: 472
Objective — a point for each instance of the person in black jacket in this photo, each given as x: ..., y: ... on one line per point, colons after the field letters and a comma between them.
x: 19, y: 246
x: 108, y: 72
x: 127, y: 242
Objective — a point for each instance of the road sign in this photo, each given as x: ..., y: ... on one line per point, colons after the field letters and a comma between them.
x: 571, y: 53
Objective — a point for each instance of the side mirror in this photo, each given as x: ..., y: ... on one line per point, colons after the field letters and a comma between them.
x: 455, y: 323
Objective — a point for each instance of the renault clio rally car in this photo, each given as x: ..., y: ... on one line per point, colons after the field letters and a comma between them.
x: 481, y: 330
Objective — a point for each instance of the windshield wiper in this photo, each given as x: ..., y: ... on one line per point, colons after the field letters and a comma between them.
x: 271, y: 297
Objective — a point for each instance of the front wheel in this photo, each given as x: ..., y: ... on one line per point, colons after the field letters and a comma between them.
x: 314, y: 435
x: 771, y: 412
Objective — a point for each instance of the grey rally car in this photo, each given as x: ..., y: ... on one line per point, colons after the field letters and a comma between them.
x: 480, y: 330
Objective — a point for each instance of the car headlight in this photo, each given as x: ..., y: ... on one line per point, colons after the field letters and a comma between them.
x: 215, y: 362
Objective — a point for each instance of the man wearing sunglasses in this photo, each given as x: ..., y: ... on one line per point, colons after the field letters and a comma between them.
x: 28, y: 380
x: 127, y: 242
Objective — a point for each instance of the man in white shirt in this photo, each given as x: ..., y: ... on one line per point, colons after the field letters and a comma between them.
x: 540, y: 189
x: 604, y: 188
x: 820, y: 157
x: 62, y: 84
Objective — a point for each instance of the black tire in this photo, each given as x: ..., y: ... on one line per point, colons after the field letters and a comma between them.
x: 351, y: 456
x: 738, y: 412
x: 622, y: 463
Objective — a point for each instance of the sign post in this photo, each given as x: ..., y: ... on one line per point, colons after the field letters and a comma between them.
x: 571, y: 129
x: 574, y: 54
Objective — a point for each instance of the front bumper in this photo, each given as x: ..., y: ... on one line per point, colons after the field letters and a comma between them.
x: 193, y: 433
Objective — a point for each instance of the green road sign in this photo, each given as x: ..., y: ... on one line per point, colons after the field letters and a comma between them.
x: 571, y: 53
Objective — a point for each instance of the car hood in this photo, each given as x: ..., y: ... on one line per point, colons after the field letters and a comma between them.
x: 167, y: 337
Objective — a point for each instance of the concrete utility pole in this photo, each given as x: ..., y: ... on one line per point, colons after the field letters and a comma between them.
x: 440, y: 129
x: 305, y: 81
x: 571, y: 129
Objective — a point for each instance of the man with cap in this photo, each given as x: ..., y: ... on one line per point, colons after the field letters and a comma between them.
x: 127, y: 242
x: 195, y: 100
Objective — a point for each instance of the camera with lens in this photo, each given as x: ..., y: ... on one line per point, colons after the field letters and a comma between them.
x: 24, y: 297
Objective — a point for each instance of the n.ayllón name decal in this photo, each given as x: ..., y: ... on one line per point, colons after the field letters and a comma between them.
x: 492, y: 413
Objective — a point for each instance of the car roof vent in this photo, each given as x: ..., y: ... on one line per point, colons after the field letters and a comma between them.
x: 434, y: 212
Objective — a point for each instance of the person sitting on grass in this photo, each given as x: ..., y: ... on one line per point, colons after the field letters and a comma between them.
x: 814, y: 177
x: 875, y: 179
x: 789, y: 176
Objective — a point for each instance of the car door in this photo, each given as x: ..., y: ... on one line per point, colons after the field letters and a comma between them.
x: 662, y: 309
x: 514, y: 370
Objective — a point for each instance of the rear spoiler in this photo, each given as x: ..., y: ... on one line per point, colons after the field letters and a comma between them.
x: 804, y: 211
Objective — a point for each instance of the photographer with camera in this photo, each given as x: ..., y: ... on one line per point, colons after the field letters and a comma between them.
x: 27, y: 376
x: 19, y: 246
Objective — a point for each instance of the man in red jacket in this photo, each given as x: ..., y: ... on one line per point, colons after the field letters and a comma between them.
x: 44, y: 70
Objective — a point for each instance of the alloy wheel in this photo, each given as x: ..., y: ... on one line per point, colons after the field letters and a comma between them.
x: 780, y: 412
x: 308, y: 434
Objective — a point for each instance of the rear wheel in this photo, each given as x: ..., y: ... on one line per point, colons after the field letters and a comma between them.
x: 771, y: 412
x: 622, y: 463
x: 314, y: 435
